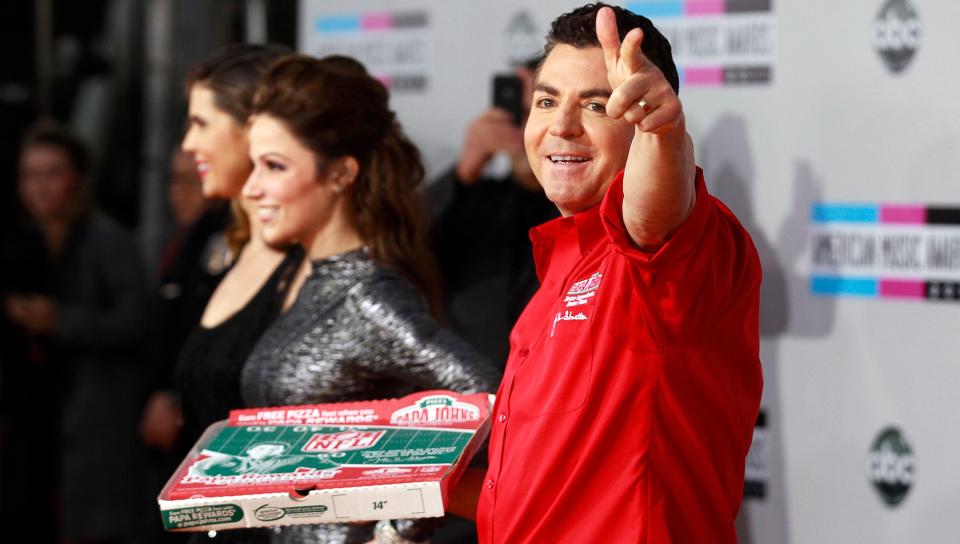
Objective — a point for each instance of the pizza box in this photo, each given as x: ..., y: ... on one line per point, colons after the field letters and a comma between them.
x: 327, y: 463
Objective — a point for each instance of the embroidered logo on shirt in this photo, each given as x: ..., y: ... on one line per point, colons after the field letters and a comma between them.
x: 586, y: 286
x: 582, y: 291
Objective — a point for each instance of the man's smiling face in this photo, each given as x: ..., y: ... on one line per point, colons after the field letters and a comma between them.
x: 574, y: 149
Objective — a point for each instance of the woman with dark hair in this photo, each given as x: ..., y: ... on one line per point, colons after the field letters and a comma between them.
x: 90, y: 316
x: 333, y: 171
x: 245, y: 302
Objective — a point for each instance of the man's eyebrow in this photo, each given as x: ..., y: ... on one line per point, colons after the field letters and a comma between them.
x: 595, y: 93
x: 589, y: 93
x: 543, y: 87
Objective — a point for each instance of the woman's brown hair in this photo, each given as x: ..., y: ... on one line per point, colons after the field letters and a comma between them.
x: 232, y: 74
x: 337, y: 110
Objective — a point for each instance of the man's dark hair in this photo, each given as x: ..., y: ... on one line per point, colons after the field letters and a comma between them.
x: 578, y: 28
x: 49, y: 133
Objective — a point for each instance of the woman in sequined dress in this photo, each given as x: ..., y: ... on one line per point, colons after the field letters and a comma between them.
x: 334, y: 172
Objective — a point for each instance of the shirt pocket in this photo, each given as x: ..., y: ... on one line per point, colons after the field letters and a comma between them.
x: 556, y: 375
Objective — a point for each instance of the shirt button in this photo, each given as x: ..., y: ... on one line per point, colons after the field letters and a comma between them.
x: 489, y: 484
x: 502, y: 417
x: 524, y: 352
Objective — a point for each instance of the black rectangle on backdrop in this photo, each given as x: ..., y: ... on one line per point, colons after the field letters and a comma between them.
x: 734, y: 75
x: 943, y: 216
x: 747, y: 6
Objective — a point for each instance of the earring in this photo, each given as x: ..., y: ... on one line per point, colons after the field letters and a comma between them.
x: 337, y: 189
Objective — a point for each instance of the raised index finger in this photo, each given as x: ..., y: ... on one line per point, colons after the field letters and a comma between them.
x: 608, y: 37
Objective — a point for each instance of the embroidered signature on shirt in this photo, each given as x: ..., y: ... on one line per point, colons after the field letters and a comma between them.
x: 566, y: 316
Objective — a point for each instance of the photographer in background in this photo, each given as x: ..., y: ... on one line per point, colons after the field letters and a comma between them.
x: 92, y: 315
x: 481, y: 221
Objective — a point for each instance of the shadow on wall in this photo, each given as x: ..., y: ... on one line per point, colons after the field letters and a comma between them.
x: 809, y: 316
x: 728, y: 165
x: 786, y: 309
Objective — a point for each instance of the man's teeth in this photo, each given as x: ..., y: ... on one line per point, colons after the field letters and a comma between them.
x: 202, y: 167
x: 567, y: 158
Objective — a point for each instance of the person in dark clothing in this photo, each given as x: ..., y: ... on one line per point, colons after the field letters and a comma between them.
x: 480, y: 230
x: 188, y: 280
x: 192, y: 263
x: 227, y: 272
x: 248, y: 299
x: 26, y: 375
x: 92, y: 315
x: 483, y: 253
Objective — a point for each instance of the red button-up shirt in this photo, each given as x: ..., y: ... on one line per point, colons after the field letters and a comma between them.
x: 632, y: 387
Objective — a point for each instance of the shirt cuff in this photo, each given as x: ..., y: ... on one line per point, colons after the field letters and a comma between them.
x: 683, y: 240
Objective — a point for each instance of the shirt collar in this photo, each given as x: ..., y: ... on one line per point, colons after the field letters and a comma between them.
x: 567, y: 237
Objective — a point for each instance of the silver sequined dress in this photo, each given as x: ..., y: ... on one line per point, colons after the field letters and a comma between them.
x: 356, y: 332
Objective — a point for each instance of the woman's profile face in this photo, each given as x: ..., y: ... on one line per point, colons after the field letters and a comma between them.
x: 218, y: 145
x: 293, y: 201
x: 47, y: 183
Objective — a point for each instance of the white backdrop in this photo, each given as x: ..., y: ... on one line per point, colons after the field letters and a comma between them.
x: 849, y: 105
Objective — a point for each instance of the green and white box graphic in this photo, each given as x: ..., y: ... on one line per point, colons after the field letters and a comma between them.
x: 329, y: 463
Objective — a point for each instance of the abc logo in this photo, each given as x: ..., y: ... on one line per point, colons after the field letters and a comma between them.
x: 891, y: 466
x: 896, y: 34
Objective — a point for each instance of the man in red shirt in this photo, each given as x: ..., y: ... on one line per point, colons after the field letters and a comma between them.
x: 633, y: 383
